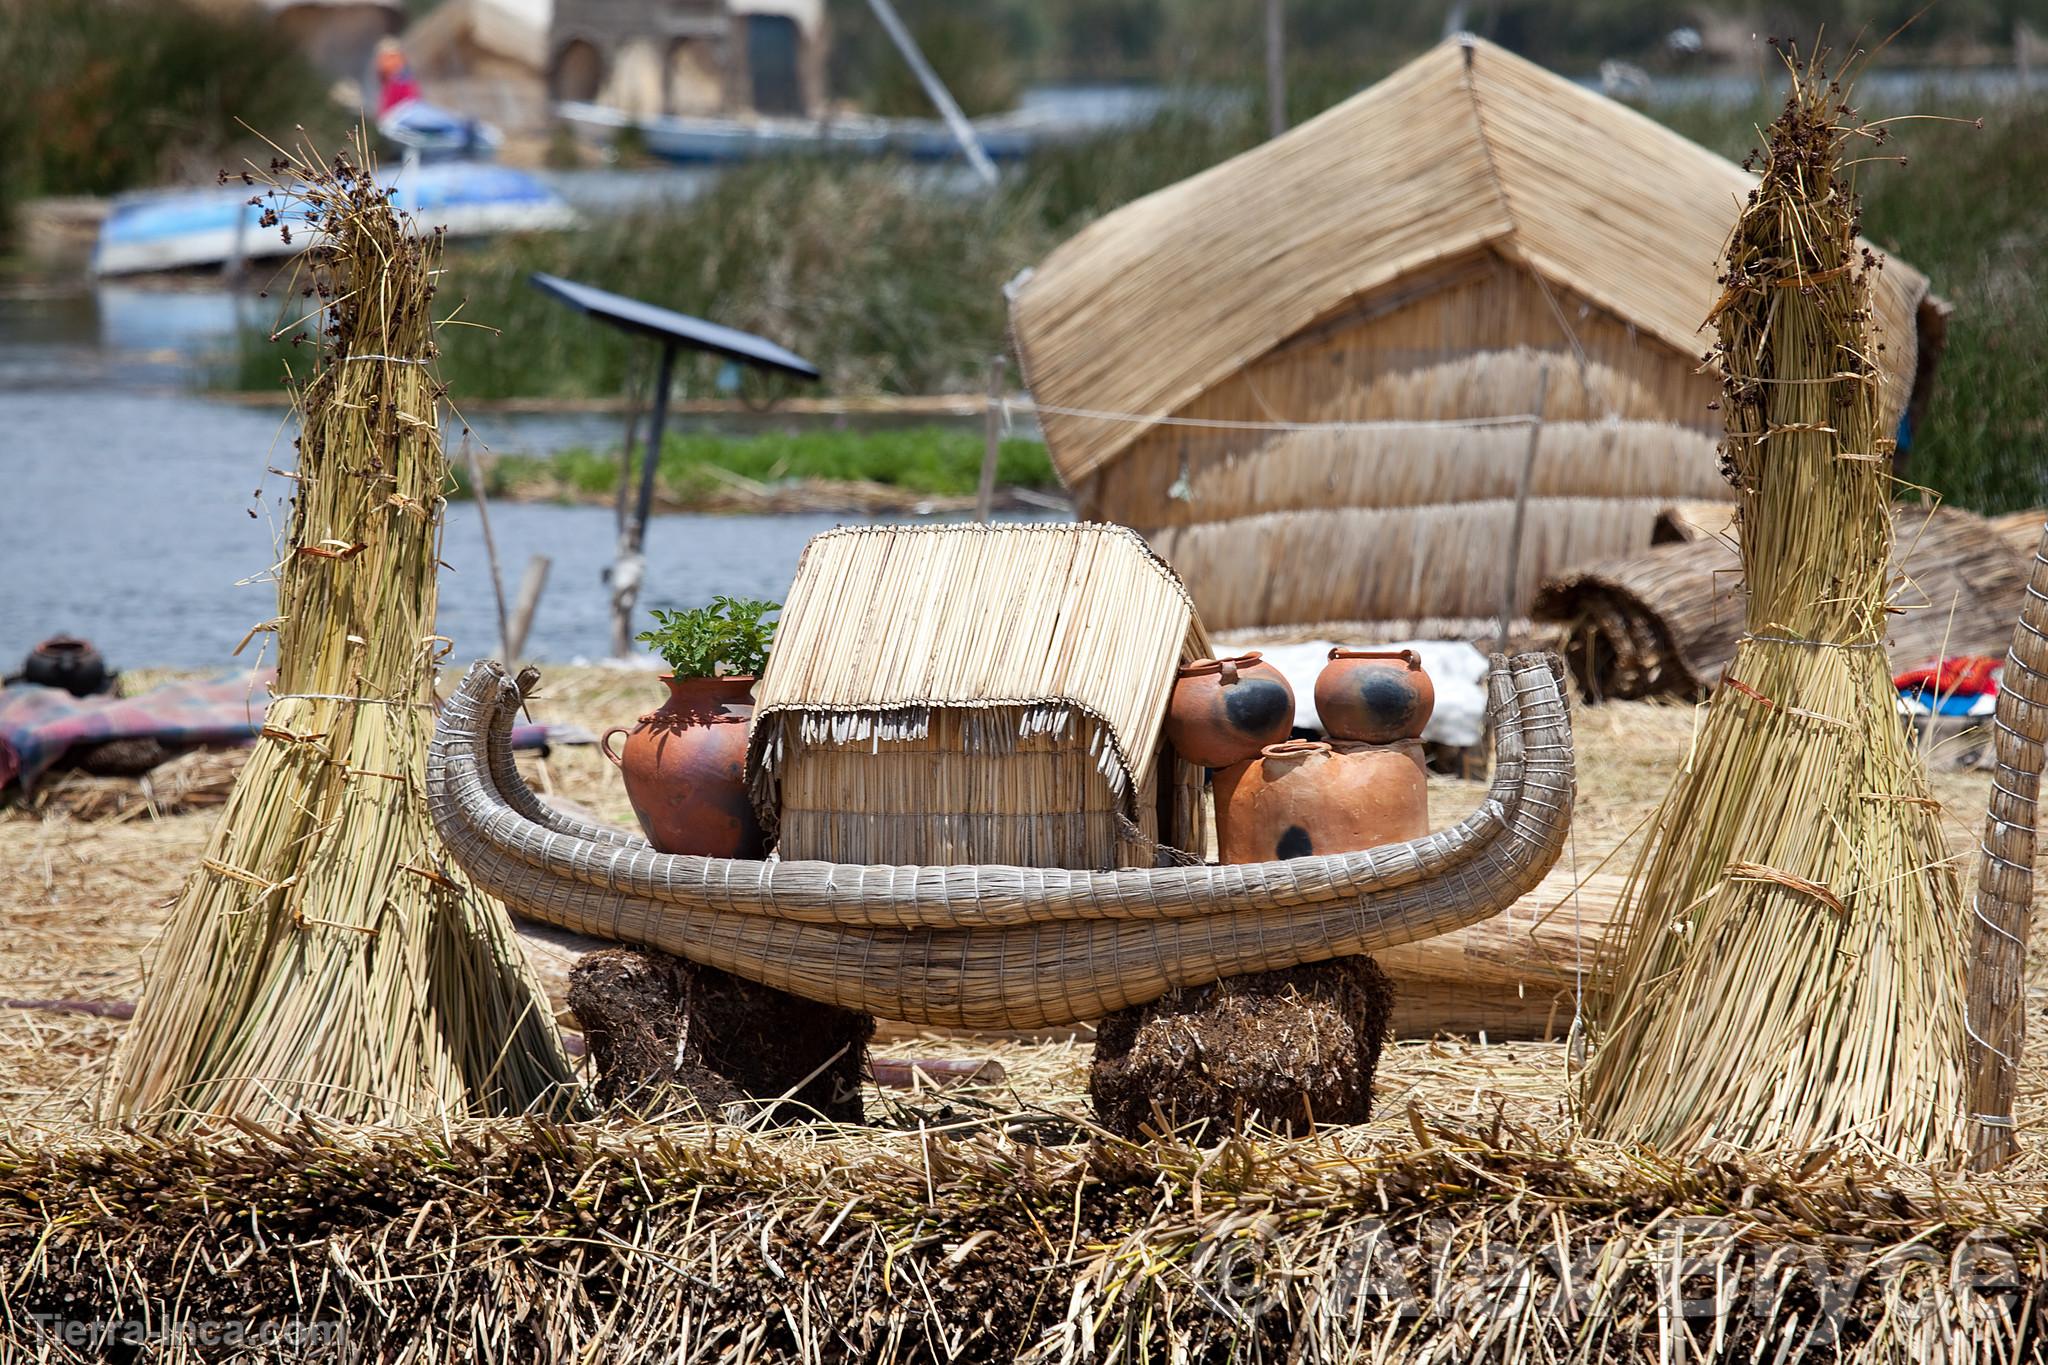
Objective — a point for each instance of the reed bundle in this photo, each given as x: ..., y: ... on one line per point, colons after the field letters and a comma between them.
x: 2002, y: 909
x: 1667, y: 620
x: 1406, y: 466
x: 1385, y: 563
x: 1790, y: 973
x: 324, y: 958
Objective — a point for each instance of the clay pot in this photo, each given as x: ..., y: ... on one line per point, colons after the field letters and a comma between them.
x: 1223, y: 711
x: 685, y: 767
x: 1374, y: 696
x: 1306, y: 797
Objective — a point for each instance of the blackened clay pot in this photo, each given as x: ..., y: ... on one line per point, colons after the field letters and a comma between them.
x: 1374, y: 696
x: 1223, y: 711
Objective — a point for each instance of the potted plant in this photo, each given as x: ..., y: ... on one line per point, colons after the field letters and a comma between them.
x: 685, y: 765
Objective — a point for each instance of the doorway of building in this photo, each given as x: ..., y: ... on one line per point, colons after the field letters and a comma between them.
x: 772, y: 56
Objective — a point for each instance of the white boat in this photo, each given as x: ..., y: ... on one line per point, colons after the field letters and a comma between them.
x: 182, y: 229
x: 1052, y: 116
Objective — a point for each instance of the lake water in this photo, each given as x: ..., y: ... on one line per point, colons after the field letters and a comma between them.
x: 125, y: 512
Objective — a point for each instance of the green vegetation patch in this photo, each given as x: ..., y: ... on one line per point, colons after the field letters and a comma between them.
x: 930, y: 460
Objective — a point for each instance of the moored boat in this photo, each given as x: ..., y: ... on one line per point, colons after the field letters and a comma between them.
x: 183, y: 229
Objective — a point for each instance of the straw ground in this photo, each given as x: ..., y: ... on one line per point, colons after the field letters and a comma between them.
x: 983, y: 1220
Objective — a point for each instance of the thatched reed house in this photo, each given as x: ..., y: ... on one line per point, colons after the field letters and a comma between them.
x: 1305, y: 375
x: 977, y: 694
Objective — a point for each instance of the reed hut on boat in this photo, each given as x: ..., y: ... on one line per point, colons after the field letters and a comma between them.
x: 977, y: 694
x: 1319, y: 377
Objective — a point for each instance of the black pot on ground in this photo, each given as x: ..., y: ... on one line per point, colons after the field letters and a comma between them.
x: 70, y: 663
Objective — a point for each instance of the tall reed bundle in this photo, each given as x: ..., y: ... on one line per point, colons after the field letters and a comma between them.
x: 1791, y: 970
x: 324, y: 957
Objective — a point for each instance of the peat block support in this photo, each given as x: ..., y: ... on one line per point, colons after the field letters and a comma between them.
x: 658, y: 1025
x: 1291, y: 1049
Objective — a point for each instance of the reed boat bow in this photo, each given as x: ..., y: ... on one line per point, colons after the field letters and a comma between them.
x: 999, y: 947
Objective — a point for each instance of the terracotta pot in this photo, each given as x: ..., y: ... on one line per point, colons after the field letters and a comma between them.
x: 1223, y: 711
x: 685, y: 767
x: 1306, y: 797
x: 1374, y: 696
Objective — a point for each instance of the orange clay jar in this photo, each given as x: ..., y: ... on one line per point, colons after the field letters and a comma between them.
x: 1306, y: 797
x: 685, y: 768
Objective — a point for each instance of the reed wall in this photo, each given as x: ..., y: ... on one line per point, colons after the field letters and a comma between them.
x: 1387, y: 519
x: 975, y: 788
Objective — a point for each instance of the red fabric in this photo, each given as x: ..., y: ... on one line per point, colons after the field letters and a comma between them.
x: 1965, y: 675
x: 396, y: 91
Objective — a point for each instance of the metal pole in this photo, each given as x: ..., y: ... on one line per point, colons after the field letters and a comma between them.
x: 631, y: 565
x: 1510, y: 589
x: 1276, y: 69
x: 985, y: 496
x: 963, y: 131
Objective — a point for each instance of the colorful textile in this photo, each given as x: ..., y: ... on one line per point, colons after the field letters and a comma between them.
x: 39, y: 725
x: 1965, y: 675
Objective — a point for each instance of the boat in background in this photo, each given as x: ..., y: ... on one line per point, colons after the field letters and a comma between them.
x: 185, y: 229
x: 1043, y: 118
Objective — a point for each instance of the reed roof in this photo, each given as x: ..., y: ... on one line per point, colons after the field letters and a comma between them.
x: 1466, y: 147
x: 887, y: 622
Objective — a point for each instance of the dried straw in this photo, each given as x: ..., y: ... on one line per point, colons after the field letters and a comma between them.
x: 1791, y: 972
x: 323, y: 958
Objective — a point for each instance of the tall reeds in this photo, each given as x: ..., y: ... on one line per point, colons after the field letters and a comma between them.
x: 1790, y: 971
x: 325, y: 957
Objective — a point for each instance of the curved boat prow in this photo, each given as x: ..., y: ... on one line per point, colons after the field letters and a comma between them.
x: 1000, y: 947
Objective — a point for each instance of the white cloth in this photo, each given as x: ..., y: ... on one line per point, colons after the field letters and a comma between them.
x: 1455, y: 668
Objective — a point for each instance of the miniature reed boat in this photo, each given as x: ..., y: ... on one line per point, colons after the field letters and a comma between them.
x: 999, y: 946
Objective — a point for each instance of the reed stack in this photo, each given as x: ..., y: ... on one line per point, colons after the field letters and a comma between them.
x: 1790, y: 968
x: 324, y: 957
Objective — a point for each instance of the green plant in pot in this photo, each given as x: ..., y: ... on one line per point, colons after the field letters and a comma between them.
x: 685, y: 765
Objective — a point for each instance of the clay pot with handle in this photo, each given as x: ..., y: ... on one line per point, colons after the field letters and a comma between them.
x: 1374, y: 696
x: 685, y: 767
x: 1307, y: 797
x: 1223, y: 711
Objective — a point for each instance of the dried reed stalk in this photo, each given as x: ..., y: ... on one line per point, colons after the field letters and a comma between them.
x: 324, y: 958
x: 1791, y: 969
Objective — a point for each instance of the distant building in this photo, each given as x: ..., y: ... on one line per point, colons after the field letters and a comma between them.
x: 690, y: 56
x: 338, y: 36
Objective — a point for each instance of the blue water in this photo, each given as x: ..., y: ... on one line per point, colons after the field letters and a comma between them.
x: 141, y: 515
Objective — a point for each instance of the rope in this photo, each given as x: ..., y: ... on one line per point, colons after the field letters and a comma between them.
x: 1575, y: 1038
x: 1817, y: 644
x: 1179, y: 857
x: 1224, y: 424
x: 389, y: 359
x: 343, y: 696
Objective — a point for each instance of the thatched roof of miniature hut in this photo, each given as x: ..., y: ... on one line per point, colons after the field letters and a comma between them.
x: 885, y: 624
x: 1467, y: 148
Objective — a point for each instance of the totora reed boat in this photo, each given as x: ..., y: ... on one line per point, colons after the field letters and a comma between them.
x: 998, y: 946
